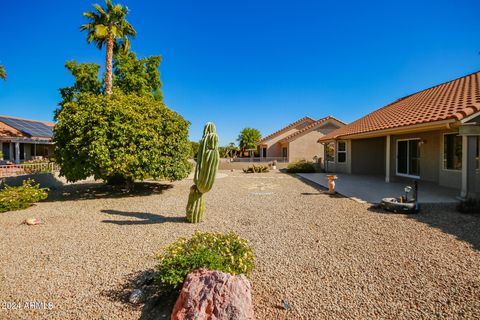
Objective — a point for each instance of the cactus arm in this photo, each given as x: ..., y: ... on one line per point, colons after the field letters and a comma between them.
x: 208, y: 159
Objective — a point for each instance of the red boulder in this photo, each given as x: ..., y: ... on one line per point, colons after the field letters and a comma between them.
x: 214, y: 295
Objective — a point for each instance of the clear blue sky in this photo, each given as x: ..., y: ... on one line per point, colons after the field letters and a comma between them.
x: 256, y: 63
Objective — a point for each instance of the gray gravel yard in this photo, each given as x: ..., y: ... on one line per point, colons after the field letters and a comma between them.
x: 330, y: 257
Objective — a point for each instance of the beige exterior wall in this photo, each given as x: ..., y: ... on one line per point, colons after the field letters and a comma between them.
x: 273, y: 147
x: 431, y: 159
x: 306, y: 146
x: 368, y: 156
x: 340, y: 167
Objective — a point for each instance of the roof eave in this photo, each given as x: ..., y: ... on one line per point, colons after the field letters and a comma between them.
x: 429, y: 126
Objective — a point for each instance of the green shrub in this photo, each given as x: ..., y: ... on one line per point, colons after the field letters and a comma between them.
x: 214, y: 251
x: 121, y: 136
x: 37, y: 166
x: 301, y: 166
x: 16, y: 198
x: 256, y: 169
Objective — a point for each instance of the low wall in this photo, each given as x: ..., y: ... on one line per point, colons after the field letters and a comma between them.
x: 224, y: 165
x: 46, y: 180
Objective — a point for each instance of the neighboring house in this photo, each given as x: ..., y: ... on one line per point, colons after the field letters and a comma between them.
x: 298, y: 141
x: 431, y: 135
x: 22, y: 139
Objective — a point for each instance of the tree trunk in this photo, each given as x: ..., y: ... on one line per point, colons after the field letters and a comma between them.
x: 108, y: 64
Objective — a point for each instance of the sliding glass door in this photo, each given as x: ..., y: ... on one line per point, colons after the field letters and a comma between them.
x: 408, y: 157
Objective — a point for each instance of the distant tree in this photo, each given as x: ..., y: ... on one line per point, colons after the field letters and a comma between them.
x: 230, y: 150
x: 108, y: 26
x: 194, y: 146
x: 248, y: 137
x: 3, y: 73
x: 121, y: 137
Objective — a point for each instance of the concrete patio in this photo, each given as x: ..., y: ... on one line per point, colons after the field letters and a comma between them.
x: 372, y: 189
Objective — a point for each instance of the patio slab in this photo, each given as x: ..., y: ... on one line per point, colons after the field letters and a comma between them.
x: 372, y: 189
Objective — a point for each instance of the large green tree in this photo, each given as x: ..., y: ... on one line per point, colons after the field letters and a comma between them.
x: 86, y: 80
x: 248, y: 137
x: 131, y: 75
x: 138, y: 76
x: 3, y: 73
x: 108, y: 26
x: 125, y: 136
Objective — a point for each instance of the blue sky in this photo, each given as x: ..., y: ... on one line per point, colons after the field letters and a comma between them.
x: 250, y: 63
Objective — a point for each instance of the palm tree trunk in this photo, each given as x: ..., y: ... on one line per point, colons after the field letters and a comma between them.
x: 108, y: 80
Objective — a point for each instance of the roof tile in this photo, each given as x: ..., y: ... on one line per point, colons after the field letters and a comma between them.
x: 276, y: 133
x: 455, y: 99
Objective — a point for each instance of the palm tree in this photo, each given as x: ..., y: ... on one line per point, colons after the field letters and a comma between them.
x: 106, y: 26
x: 3, y: 73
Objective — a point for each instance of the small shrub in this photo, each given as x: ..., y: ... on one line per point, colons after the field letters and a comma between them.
x: 301, y: 166
x: 214, y: 251
x: 470, y: 205
x: 16, y: 198
x: 37, y: 166
x: 256, y: 169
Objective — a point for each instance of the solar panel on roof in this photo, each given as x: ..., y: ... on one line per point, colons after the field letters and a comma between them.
x: 31, y: 128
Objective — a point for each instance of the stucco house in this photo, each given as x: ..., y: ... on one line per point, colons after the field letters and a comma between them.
x: 298, y: 140
x: 431, y: 135
x: 22, y: 139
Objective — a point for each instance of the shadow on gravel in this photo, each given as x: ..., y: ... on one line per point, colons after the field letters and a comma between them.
x: 464, y: 227
x: 154, y: 304
x: 91, y: 191
x: 322, y: 191
x: 143, y: 218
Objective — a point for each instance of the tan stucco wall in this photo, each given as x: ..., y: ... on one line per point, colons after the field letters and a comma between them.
x: 306, y: 146
x: 431, y: 159
x: 273, y: 147
x: 368, y: 156
x: 340, y: 167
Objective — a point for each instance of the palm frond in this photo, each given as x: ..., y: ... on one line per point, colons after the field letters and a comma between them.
x: 100, y: 9
x: 106, y: 22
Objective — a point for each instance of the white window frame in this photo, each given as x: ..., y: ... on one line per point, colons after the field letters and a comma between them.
x: 442, y: 155
x: 338, y: 151
x: 408, y: 162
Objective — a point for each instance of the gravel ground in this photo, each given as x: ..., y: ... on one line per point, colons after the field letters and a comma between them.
x: 328, y: 256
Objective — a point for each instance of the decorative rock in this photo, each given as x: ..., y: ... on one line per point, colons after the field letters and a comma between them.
x: 136, y: 296
x: 214, y: 295
x: 32, y: 221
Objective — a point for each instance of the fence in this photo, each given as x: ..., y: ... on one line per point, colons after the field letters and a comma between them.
x: 261, y: 159
x: 14, y: 170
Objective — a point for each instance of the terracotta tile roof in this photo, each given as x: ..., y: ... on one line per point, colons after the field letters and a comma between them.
x: 455, y: 99
x: 310, y: 126
x: 276, y: 133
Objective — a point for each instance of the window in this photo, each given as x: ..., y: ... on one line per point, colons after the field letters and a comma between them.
x: 330, y: 151
x: 342, y: 151
x: 452, y: 152
x: 284, y: 152
x: 408, y: 157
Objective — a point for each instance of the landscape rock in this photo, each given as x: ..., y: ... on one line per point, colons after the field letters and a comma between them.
x: 136, y: 296
x: 32, y: 221
x: 214, y: 295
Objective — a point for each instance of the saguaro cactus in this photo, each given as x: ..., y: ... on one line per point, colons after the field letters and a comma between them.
x: 205, y: 172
